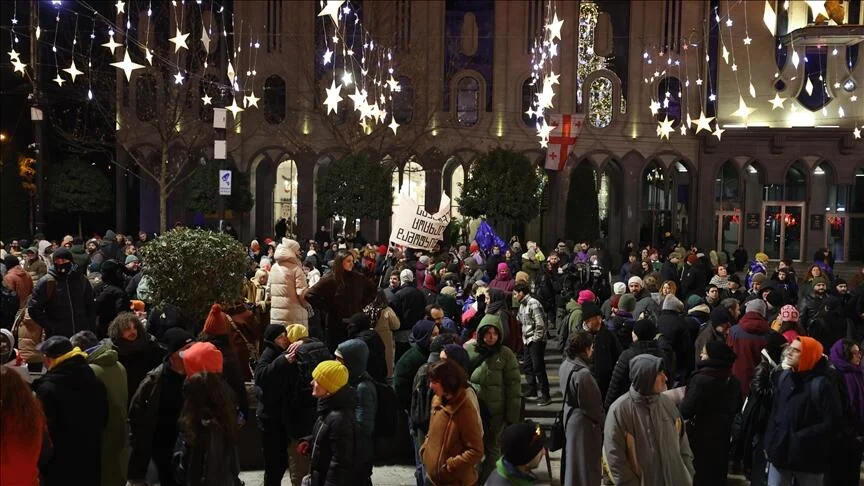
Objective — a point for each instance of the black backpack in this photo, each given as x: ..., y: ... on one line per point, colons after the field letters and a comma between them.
x: 8, y: 306
x: 421, y: 401
x: 387, y: 414
x: 309, y: 355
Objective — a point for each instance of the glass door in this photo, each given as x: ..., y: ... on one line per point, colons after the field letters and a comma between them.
x: 782, y: 228
x: 727, y: 230
x: 836, y: 238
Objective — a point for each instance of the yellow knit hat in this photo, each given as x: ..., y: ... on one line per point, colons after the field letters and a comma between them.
x: 296, y: 332
x: 761, y: 258
x: 331, y: 375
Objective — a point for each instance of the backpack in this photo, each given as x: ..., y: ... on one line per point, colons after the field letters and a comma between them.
x: 8, y: 307
x: 387, y: 414
x: 421, y: 401
x: 309, y: 355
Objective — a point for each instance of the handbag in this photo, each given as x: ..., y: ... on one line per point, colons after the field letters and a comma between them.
x: 558, y: 436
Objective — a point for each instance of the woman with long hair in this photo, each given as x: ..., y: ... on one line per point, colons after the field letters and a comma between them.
x: 22, y: 431
x: 340, y: 294
x: 209, y: 433
x: 385, y: 322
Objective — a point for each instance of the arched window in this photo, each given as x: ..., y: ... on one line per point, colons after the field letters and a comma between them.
x: 528, y: 90
x: 457, y: 178
x: 145, y: 92
x: 726, y: 187
x: 468, y: 101
x: 600, y: 103
x: 414, y: 178
x: 669, y: 97
x: 795, y: 188
x: 274, y: 100
x: 285, y: 193
x: 403, y: 102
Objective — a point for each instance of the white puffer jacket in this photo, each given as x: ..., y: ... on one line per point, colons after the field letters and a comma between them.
x: 286, y: 282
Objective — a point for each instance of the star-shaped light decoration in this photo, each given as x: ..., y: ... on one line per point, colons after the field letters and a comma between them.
x: 205, y: 39
x: 19, y: 66
x: 234, y: 108
x: 698, y: 81
x: 207, y: 99
x: 654, y: 107
x: 665, y: 127
x: 251, y: 100
x: 689, y: 120
x: 734, y: 67
x: 59, y: 80
x: 554, y: 28
x: 683, y: 129
x: 121, y: 7
x: 73, y: 71
x: 178, y: 78
x: 551, y: 78
x: 148, y: 54
x: 703, y: 122
x: 359, y: 99
x: 112, y: 44
x: 718, y: 132
x: 856, y: 133
x: 544, y: 130
x: 777, y: 102
x: 853, y: 98
x: 743, y: 110
x: 328, y: 56
x: 179, y: 41
x: 544, y: 98
x: 14, y: 55
x: 365, y: 125
x: 817, y: 7
x: 393, y: 84
x: 127, y: 65
x: 725, y: 54
x: 332, y: 10
x: 530, y: 112
x: 347, y: 78
x: 333, y: 97
x: 747, y: 40
x: 393, y: 125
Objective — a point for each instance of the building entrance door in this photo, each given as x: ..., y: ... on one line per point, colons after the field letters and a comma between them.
x: 727, y: 230
x: 782, y: 229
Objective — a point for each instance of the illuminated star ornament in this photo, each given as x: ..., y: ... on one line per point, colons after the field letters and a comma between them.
x: 332, y: 10
x: 178, y: 78
x: 121, y: 7
x: 554, y: 28
x: 19, y: 66
x: 73, y: 71
x: 777, y: 102
x: 59, y: 80
x: 179, y: 41
x: 393, y: 84
x: 251, y: 100
x: 665, y: 128
x: 127, y: 65
x: 393, y: 125
x: 328, y: 57
x: 207, y: 99
x: 743, y: 110
x: 112, y: 44
x: 718, y: 132
x: 234, y: 108
x: 856, y: 133
x: 703, y: 122
x: 654, y: 107
x: 333, y: 97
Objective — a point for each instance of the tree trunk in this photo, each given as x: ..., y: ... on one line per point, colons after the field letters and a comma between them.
x: 163, y: 190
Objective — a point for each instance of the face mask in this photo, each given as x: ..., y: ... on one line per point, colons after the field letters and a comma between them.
x: 63, y: 269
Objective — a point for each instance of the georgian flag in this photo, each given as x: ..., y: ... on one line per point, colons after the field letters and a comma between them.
x: 562, y: 138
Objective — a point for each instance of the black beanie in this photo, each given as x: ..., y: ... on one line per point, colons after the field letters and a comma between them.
x: 522, y: 442
x: 775, y: 298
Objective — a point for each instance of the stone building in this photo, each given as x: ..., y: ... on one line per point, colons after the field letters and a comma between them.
x: 784, y: 179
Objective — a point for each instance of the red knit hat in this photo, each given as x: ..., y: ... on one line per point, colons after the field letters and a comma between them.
x: 216, y: 323
x: 811, y: 353
x: 200, y: 358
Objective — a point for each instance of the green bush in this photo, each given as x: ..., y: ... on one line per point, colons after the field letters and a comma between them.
x: 193, y: 269
x: 503, y: 186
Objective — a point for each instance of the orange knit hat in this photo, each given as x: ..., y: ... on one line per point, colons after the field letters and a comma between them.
x: 202, y: 357
x: 136, y: 305
x: 217, y: 322
x: 811, y: 353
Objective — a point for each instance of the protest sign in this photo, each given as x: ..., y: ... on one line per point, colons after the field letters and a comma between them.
x: 414, y: 227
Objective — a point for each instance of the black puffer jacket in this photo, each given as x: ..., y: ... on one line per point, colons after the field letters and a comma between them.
x: 335, y: 456
x: 411, y: 304
x: 271, y: 383
x: 676, y: 332
x: 621, y: 374
x: 139, y: 358
x: 111, y: 299
x: 68, y: 310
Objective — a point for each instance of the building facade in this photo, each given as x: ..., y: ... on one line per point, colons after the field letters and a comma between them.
x: 785, y: 180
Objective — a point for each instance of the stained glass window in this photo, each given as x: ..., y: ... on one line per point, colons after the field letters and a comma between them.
x: 600, y: 104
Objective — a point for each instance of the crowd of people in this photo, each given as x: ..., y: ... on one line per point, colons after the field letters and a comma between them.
x: 679, y: 365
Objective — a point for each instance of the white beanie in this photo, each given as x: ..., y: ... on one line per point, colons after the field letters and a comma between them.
x: 619, y: 288
x: 635, y: 279
x: 406, y: 276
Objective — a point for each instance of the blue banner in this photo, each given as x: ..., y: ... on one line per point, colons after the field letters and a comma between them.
x: 487, y: 238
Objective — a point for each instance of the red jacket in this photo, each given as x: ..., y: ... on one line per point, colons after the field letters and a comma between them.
x: 747, y: 339
x: 19, y: 280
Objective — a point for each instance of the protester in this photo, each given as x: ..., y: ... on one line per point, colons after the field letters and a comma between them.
x: 56, y: 315
x: 523, y: 446
x: 407, y: 366
x: 607, y: 349
x: 677, y: 334
x: 583, y: 414
x: 805, y: 418
x: 271, y: 389
x: 533, y: 320
x: 154, y: 412
x: 23, y: 431
x: 359, y: 326
x: 17, y: 280
x: 454, y: 444
x: 747, y: 339
x: 111, y: 298
x: 332, y: 447
x: 710, y: 403
x: 644, y: 437
x: 288, y: 285
x: 76, y: 409
x: 715, y: 330
x: 845, y: 467
x: 644, y: 342
x: 354, y: 354
x: 386, y: 322
x: 495, y: 374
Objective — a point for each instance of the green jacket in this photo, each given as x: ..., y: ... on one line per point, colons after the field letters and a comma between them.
x: 115, y: 437
x: 404, y: 371
x: 573, y: 315
x: 496, y: 377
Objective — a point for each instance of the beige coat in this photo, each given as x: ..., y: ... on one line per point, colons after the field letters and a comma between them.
x: 388, y: 322
x: 286, y: 282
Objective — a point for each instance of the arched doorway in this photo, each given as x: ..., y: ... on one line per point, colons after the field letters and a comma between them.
x: 783, y: 215
x: 285, y: 195
x: 665, y: 203
x: 265, y: 178
x: 727, y: 208
x: 583, y: 207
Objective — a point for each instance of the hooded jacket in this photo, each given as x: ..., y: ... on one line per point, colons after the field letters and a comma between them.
x: 411, y: 361
x: 355, y: 355
x: 70, y: 307
x: 115, y: 438
x: 285, y: 281
x: 455, y: 440
x: 76, y: 407
x: 111, y: 298
x: 335, y: 455
x: 584, y: 418
x: 502, y: 281
x: 621, y: 374
x: 747, y: 339
x: 644, y: 438
x: 271, y: 382
x: 17, y: 279
x: 495, y: 376
x: 806, y: 415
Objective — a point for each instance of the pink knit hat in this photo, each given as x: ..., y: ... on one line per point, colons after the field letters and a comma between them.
x: 788, y: 313
x: 585, y: 296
